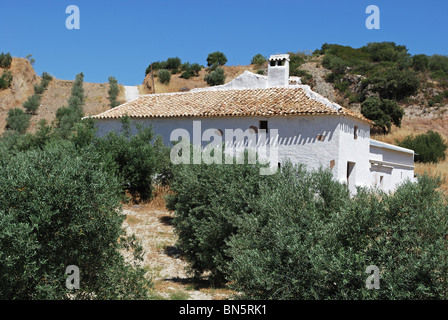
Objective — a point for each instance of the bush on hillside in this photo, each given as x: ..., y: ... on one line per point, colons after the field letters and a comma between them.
x: 164, y: 76
x: 429, y: 146
x: 5, y: 79
x: 383, y: 113
x: 420, y: 62
x: 113, y: 92
x: 216, y: 59
x: 32, y: 103
x: 58, y: 207
x: 173, y: 64
x: 17, y: 120
x: 5, y: 60
x: 258, y: 59
x: 393, y: 84
x: 216, y: 77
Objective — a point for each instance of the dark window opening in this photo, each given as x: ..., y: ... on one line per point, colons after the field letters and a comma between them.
x: 355, y: 132
x: 264, y: 125
x: 273, y: 63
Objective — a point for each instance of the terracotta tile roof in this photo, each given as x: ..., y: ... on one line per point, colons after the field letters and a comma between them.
x: 227, y: 103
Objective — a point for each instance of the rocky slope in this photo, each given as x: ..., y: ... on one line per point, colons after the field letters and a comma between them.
x: 56, y: 96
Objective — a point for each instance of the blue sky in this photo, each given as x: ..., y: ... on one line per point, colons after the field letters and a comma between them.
x: 121, y: 38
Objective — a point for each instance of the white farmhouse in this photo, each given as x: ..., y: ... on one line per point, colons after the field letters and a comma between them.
x: 310, y: 129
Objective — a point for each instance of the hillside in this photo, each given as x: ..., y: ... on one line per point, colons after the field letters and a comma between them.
x: 178, y: 84
x: 56, y: 96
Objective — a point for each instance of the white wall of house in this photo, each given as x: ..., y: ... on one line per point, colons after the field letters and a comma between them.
x: 390, y: 165
x: 316, y: 141
x: 353, y: 162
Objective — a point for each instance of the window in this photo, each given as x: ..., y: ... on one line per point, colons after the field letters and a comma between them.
x: 273, y: 63
x: 264, y: 125
x: 355, y: 132
x: 320, y: 137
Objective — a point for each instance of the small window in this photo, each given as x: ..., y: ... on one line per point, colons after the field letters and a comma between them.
x: 272, y: 63
x: 320, y: 137
x: 264, y: 125
x: 355, y: 132
x: 332, y: 164
x: 281, y: 62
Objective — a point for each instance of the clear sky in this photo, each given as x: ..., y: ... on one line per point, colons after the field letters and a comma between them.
x: 121, y: 38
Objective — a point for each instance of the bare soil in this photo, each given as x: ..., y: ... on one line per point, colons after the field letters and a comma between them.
x: 152, y: 224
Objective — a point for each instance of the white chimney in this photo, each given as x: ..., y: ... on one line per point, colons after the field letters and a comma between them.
x: 278, y: 70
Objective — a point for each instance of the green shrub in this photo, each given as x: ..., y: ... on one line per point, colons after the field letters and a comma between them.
x: 59, y: 207
x: 67, y: 117
x: 383, y: 113
x: 308, y: 239
x: 173, y: 63
x: 186, y: 75
x: 137, y: 158
x: 5, y: 79
x: 429, y: 146
x: 32, y: 103
x: 113, y: 92
x: 209, y: 201
x: 386, y: 51
x: 216, y: 59
x: 5, y: 60
x: 47, y: 76
x: 164, y: 76
x: 393, y: 83
x: 438, y: 63
x: 77, y: 97
x: 216, y: 77
x: 195, y: 68
x: 420, y: 62
x: 258, y: 59
x: 17, y: 120
x: 190, y: 70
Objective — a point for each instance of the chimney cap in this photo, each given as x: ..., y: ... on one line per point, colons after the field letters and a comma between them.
x: 275, y: 57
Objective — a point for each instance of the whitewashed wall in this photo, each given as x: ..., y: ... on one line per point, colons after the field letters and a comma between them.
x: 298, y: 142
x: 355, y: 151
x: 390, y: 165
x: 297, y: 135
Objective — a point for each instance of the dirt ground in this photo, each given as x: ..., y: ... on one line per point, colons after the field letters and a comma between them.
x: 153, y: 226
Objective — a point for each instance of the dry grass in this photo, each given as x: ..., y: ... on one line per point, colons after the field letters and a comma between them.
x: 156, y: 203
